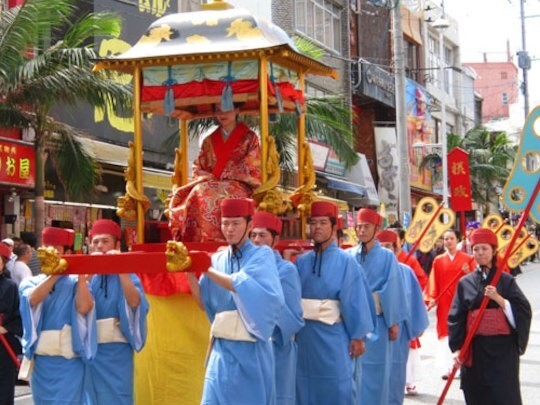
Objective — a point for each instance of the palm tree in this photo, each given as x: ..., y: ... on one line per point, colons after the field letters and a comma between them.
x: 46, y: 59
x: 491, y: 155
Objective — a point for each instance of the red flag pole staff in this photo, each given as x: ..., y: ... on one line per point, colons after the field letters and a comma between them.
x: 8, y: 347
x: 470, y: 334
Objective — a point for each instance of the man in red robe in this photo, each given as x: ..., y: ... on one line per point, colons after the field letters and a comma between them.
x: 445, y: 273
x: 228, y: 166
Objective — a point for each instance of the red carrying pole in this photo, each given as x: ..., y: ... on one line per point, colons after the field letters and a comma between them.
x: 8, y: 347
x: 485, y: 300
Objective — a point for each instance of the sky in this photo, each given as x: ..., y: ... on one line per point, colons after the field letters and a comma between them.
x: 486, y: 25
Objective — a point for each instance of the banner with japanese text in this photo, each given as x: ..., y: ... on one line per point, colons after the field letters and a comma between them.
x: 460, y: 180
x: 17, y: 164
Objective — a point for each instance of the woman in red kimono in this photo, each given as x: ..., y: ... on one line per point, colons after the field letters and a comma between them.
x: 490, y: 374
x: 228, y: 166
x: 445, y: 273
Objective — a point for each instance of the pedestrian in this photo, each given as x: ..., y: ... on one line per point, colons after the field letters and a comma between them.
x: 410, y: 329
x: 243, y: 299
x: 266, y: 231
x: 20, y: 269
x: 10, y: 329
x: 465, y: 244
x: 10, y: 243
x: 338, y: 311
x: 446, y: 271
x: 381, y: 270
x: 490, y: 373
x: 121, y: 310
x: 30, y: 239
x: 57, y: 315
x: 426, y: 259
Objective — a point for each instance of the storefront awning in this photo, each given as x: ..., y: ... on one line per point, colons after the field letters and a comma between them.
x: 344, y: 185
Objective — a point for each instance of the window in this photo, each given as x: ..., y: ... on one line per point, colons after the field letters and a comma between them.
x: 505, y: 98
x: 320, y: 20
x: 411, y: 60
x: 504, y: 75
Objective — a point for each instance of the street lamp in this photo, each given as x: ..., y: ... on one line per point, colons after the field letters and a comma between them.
x: 441, y: 25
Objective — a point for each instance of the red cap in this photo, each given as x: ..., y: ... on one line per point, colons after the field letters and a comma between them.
x: 4, y: 251
x: 370, y: 216
x: 263, y: 219
x: 386, y: 236
x: 105, y: 227
x: 237, y: 207
x: 324, y: 209
x: 484, y: 235
x: 51, y: 236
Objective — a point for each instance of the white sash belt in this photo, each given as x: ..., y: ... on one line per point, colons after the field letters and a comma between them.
x: 228, y: 325
x: 108, y: 331
x: 377, y: 301
x: 325, y: 311
x: 56, y: 343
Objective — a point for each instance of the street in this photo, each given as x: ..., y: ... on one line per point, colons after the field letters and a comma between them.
x: 430, y: 384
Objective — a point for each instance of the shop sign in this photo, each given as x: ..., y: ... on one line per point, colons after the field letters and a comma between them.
x: 460, y: 180
x: 17, y: 164
x: 377, y: 83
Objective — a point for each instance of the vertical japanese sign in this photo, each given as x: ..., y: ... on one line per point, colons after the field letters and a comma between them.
x: 17, y: 164
x: 460, y: 180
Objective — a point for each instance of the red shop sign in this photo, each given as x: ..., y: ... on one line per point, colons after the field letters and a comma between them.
x: 460, y: 180
x: 17, y: 164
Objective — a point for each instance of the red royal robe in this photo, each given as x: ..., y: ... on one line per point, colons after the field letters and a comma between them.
x: 228, y: 168
x: 445, y: 274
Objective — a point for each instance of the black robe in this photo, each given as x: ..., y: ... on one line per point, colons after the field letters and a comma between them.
x: 494, y: 376
x: 9, y: 310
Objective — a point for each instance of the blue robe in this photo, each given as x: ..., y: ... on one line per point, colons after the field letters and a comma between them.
x: 325, y: 367
x: 238, y: 372
x: 417, y: 321
x: 56, y: 379
x: 380, y: 267
x: 110, y: 374
x: 289, y: 323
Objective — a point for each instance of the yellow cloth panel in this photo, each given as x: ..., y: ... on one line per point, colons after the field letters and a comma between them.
x: 170, y: 368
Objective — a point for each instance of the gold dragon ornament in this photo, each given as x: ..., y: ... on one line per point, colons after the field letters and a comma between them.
x: 267, y: 195
x: 304, y: 195
x: 177, y: 257
x: 51, y: 261
x: 127, y: 204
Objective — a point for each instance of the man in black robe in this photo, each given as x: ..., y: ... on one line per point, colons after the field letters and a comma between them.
x: 493, y: 376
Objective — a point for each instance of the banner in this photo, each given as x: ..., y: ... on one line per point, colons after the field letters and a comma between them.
x: 460, y: 180
x: 17, y: 164
x: 387, y: 169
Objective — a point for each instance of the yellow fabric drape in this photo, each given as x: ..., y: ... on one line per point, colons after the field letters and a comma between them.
x: 170, y: 368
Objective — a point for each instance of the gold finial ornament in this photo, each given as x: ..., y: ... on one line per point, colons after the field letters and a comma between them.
x: 177, y: 257
x: 127, y: 204
x: 51, y: 261
x: 216, y: 5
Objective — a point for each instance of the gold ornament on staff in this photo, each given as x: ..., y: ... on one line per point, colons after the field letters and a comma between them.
x: 430, y: 221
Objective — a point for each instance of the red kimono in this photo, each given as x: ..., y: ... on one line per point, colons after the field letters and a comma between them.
x: 413, y: 263
x: 443, y: 279
x: 225, y: 168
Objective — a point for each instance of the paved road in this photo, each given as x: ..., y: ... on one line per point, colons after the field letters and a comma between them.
x: 431, y: 385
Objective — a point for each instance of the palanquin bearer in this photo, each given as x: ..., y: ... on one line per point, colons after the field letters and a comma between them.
x: 339, y: 314
x: 490, y: 373
x: 266, y: 231
x: 243, y: 299
x: 382, y: 274
x: 412, y: 327
x: 121, y: 310
x: 59, y: 329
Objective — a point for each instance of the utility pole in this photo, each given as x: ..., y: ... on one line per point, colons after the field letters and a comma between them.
x: 524, y: 61
x: 401, y: 118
